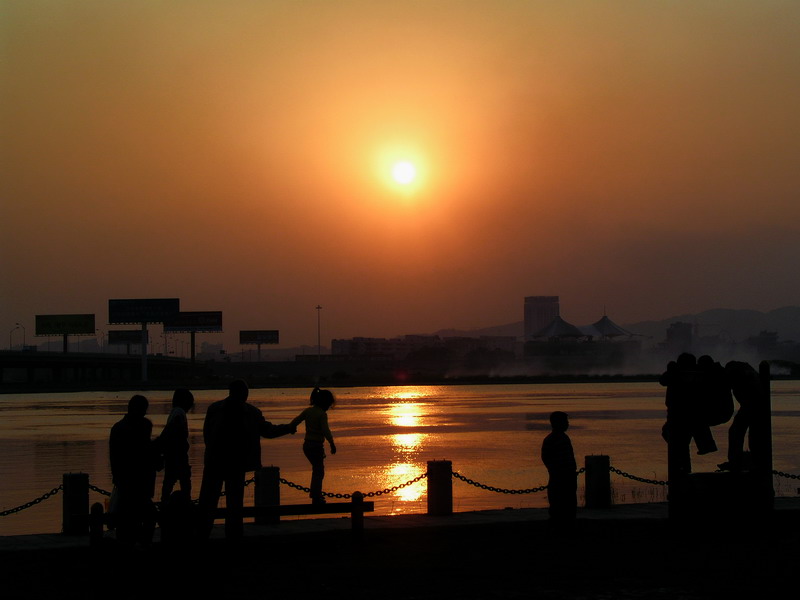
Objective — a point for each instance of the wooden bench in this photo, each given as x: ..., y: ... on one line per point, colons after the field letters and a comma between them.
x: 263, y: 514
x: 272, y: 514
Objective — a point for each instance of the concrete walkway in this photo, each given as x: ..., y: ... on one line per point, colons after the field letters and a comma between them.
x: 296, y: 525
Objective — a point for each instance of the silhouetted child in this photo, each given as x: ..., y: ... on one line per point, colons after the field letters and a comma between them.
x: 559, y: 458
x: 174, y: 445
x: 317, y: 431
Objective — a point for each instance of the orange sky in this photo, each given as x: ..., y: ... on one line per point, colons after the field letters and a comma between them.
x: 641, y: 157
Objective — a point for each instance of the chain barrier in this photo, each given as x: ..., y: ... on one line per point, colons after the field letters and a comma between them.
x: 388, y: 490
x: 33, y: 502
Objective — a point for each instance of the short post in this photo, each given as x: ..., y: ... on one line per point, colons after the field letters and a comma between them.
x: 75, y: 504
x: 440, y: 487
x: 96, y: 522
x: 760, y: 439
x: 267, y: 493
x: 358, y: 513
x: 598, y: 481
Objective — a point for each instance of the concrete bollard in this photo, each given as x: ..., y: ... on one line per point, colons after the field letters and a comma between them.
x: 440, y: 487
x: 267, y: 493
x: 96, y: 522
x: 598, y: 481
x: 358, y: 513
x: 75, y: 504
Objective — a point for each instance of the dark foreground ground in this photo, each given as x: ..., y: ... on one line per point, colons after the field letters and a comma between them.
x: 649, y: 558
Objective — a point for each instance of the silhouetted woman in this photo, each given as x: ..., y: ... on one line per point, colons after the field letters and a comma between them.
x: 174, y: 445
x: 317, y: 431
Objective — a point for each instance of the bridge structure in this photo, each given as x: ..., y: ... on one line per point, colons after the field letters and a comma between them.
x: 35, y: 371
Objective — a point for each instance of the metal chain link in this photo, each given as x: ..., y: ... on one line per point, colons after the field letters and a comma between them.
x: 639, y: 479
x: 394, y: 488
x: 490, y: 488
x: 34, y: 502
x: 94, y: 488
x: 782, y: 474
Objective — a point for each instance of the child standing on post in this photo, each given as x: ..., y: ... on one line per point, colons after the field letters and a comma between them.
x: 317, y: 431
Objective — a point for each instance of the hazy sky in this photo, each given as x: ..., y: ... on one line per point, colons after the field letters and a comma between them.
x: 638, y: 156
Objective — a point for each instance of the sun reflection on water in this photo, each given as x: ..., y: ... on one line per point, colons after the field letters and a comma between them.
x: 400, y: 473
x: 405, y: 415
x: 408, y: 442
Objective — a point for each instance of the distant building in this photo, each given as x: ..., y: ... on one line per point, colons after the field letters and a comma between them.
x: 680, y: 337
x: 540, y: 311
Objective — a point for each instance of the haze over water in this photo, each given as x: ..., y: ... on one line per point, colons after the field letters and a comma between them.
x: 385, y: 437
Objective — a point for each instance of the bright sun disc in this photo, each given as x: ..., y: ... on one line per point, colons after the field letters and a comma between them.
x: 404, y: 172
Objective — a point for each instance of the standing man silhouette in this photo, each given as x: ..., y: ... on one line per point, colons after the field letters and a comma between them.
x: 134, y: 462
x: 232, y: 432
x: 559, y: 458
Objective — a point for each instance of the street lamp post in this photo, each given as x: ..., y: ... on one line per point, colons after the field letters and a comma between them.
x: 319, y: 339
x: 23, y: 334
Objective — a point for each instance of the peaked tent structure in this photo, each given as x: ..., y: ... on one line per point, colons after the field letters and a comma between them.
x: 559, y: 328
x: 606, y: 328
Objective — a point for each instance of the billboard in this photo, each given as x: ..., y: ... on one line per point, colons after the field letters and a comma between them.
x: 194, y: 321
x: 153, y: 310
x: 126, y: 336
x: 65, y: 325
x: 259, y: 336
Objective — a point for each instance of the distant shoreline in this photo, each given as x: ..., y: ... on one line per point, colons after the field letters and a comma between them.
x: 221, y: 383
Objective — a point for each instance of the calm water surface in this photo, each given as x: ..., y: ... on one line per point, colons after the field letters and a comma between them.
x: 385, y: 436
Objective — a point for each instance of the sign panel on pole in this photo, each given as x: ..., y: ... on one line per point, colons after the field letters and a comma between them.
x: 126, y: 336
x: 259, y: 336
x: 152, y: 310
x: 198, y: 321
x: 65, y: 325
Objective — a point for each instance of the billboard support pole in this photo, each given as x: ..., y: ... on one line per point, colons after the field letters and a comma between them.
x: 144, y: 351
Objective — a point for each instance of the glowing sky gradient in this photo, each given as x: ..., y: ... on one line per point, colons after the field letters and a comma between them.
x: 638, y: 156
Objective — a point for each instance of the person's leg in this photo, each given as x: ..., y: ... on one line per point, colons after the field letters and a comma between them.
x: 210, y: 490
x: 234, y: 503
x: 185, y: 478
x: 315, y: 453
x: 167, y: 484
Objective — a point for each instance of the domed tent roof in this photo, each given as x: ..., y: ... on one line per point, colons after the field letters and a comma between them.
x: 558, y: 327
x: 605, y: 327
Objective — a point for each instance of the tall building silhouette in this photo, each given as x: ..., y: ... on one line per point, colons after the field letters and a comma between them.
x: 539, y: 312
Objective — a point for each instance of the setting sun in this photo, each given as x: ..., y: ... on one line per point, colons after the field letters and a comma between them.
x: 404, y: 172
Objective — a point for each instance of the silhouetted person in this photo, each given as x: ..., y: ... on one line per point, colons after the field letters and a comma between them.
x: 134, y: 462
x: 232, y: 432
x: 174, y: 445
x: 317, y: 431
x: 686, y: 416
x: 715, y: 392
x: 745, y: 383
x: 562, y: 484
